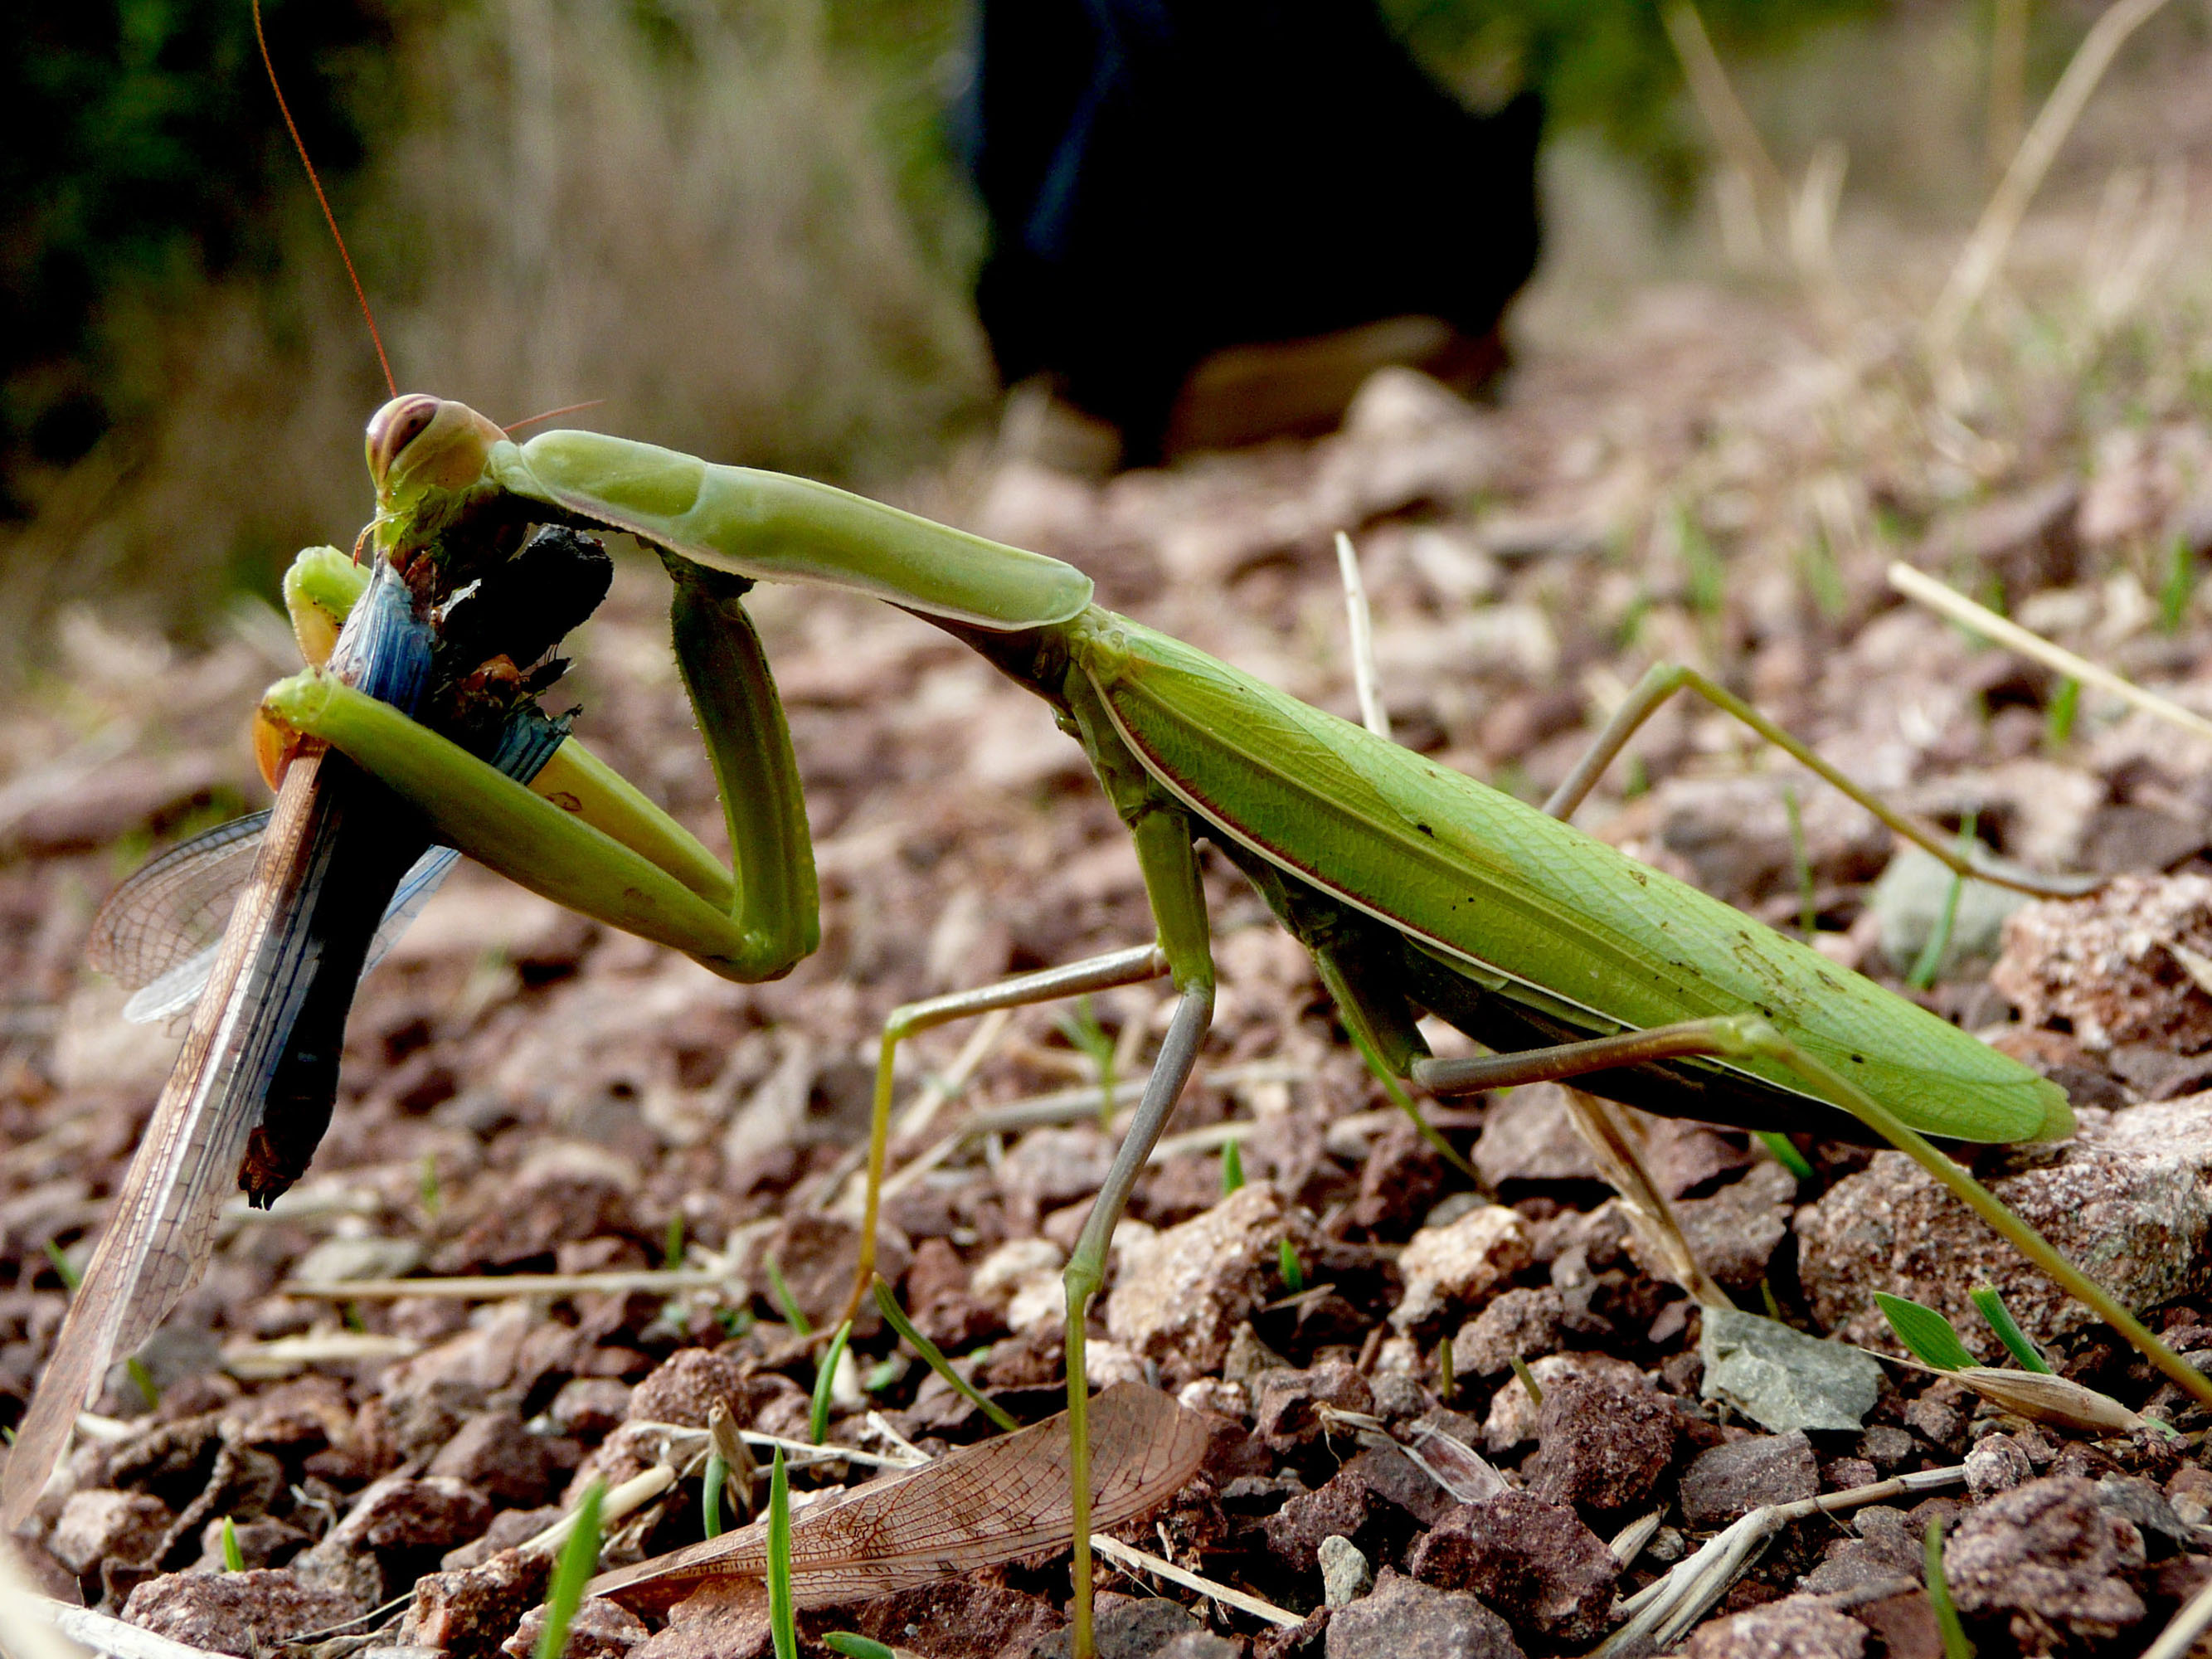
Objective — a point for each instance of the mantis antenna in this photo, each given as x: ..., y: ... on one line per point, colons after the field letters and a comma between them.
x: 330, y: 218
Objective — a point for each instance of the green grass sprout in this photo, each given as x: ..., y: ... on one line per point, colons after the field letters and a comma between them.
x: 1992, y: 1309
x: 1528, y: 1381
x: 427, y: 1190
x: 786, y: 1303
x: 1293, y: 1270
x: 579, y: 1557
x: 1083, y: 1031
x: 2179, y: 587
x: 825, y: 1381
x: 1955, y: 1644
x: 1926, y: 1335
x: 1786, y: 1153
x: 933, y: 1357
x: 710, y: 1496
x: 857, y: 1646
x: 234, y: 1558
x: 1232, y: 1168
x: 1932, y: 954
x: 70, y: 1277
x: 671, y: 1245
x: 2059, y: 718
x: 783, y: 1629
x: 1809, y: 912
x: 147, y: 1389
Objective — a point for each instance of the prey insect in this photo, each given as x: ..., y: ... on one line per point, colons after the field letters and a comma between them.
x: 1413, y: 888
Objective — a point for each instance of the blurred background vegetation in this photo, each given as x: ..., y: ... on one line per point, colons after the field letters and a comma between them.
x: 741, y: 224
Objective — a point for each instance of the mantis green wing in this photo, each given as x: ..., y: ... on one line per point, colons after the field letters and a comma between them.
x: 1483, y: 881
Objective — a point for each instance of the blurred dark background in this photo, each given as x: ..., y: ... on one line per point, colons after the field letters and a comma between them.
x: 743, y: 224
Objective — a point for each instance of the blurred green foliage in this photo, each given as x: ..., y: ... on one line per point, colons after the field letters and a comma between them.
x: 1603, y: 64
x: 141, y: 149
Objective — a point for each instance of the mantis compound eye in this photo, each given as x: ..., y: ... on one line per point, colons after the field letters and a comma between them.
x: 394, y: 426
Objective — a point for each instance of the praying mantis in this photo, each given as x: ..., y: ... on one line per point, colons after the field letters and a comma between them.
x: 1412, y: 887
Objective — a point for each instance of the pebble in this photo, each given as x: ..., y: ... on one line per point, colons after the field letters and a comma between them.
x: 1286, y: 1404
x: 1532, y: 1561
x: 1513, y: 1415
x: 493, y: 1454
x: 1795, y: 1627
x: 589, y: 1408
x: 98, y: 1526
x: 1782, y: 1379
x: 1404, y: 1618
x: 2128, y: 1201
x: 1180, y: 1303
x: 686, y: 1385
x: 600, y: 1629
x: 1518, y: 1324
x: 1528, y: 1137
x: 1997, y: 1464
x: 1725, y: 1483
x: 1449, y: 1270
x: 250, y: 1612
x: 2048, y: 1559
x: 1602, y: 1448
x: 468, y: 1613
x: 2102, y: 964
x: 1346, y: 1574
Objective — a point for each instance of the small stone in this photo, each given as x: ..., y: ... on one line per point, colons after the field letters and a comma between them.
x: 1886, y: 1447
x: 509, y: 1529
x: 1400, y: 1178
x: 2130, y: 1496
x: 249, y: 1614
x: 589, y: 1408
x: 1125, y: 1627
x: 599, y: 1630
x: 1782, y: 1379
x: 1997, y: 1464
x: 1346, y: 1574
x: 1286, y: 1404
x: 1528, y: 1137
x: 1795, y: 1627
x: 1725, y: 1483
x: 98, y: 1526
x: 1532, y: 1561
x: 469, y: 1613
x: 1049, y: 1167
x: 2102, y: 964
x: 1346, y: 1506
x: 2128, y: 1201
x: 1180, y: 1302
x: 536, y: 1214
x: 1000, y: 1273
x: 1939, y: 1422
x: 496, y: 1455
x: 358, y: 1258
x: 685, y: 1386
x: 2048, y: 1559
x: 1602, y: 1448
x: 1518, y: 1324
x: 1733, y: 1233
x: 398, y: 1513
x: 1451, y: 1269
x: 1513, y: 1415
x: 1404, y: 1618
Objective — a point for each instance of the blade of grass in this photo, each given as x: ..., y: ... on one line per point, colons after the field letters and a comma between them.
x: 1808, y: 913
x: 70, y: 1277
x: 1527, y: 1380
x: 783, y: 1628
x: 1926, y: 1335
x: 933, y: 1357
x: 1293, y: 1270
x: 1232, y: 1168
x: 1955, y: 1644
x: 2058, y: 718
x: 234, y: 1558
x: 1939, y: 942
x: 784, y: 1302
x: 710, y: 1498
x: 825, y: 1381
x: 857, y: 1646
x: 1786, y: 1153
x: 2001, y: 1321
x: 579, y: 1556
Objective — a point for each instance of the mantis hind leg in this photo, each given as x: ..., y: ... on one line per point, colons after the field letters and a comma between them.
x: 1739, y: 1036
x: 1663, y: 680
x: 1100, y: 972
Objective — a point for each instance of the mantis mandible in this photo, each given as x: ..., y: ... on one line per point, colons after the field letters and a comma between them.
x: 1412, y: 887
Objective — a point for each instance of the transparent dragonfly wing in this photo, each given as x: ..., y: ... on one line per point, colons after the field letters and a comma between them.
x: 147, y: 921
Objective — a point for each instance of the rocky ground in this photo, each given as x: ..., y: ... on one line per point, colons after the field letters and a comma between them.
x: 1721, y: 479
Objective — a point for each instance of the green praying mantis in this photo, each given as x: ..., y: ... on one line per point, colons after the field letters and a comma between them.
x: 1412, y: 887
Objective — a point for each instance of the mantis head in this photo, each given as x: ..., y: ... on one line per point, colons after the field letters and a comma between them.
x: 420, y: 446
